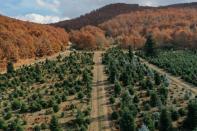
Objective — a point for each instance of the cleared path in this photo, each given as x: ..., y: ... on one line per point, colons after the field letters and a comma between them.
x: 100, y: 105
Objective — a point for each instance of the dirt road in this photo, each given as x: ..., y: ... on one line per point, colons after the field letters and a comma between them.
x: 100, y: 105
x: 173, y: 79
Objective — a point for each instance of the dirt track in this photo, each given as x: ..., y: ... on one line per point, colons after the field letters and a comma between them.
x: 100, y: 101
x: 100, y: 105
x: 173, y: 80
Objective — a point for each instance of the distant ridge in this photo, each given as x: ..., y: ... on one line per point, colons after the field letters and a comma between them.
x: 99, y: 16
x: 193, y: 4
x: 108, y: 12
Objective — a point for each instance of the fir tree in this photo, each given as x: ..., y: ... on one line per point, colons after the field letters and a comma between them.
x: 149, y: 122
x: 127, y: 122
x: 117, y: 88
x: 54, y: 125
x: 154, y: 100
x: 150, y: 47
x: 165, y: 123
x: 130, y: 53
x: 157, y: 78
x: 10, y: 67
x: 191, y: 120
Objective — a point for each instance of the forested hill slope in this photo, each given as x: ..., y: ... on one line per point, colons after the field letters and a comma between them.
x: 108, y: 12
x: 99, y: 16
x: 169, y: 27
x: 181, y: 5
x: 24, y: 40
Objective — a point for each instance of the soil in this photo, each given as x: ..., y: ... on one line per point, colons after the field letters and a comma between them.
x: 101, y: 110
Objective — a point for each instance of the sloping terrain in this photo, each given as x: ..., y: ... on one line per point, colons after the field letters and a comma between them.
x: 99, y: 16
x: 89, y: 37
x: 110, y: 11
x: 24, y: 40
x: 182, y: 5
x: 169, y: 27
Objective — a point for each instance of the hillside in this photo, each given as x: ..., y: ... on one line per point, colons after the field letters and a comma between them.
x: 169, y: 27
x: 181, y: 5
x: 89, y: 38
x: 110, y: 11
x: 172, y: 25
x: 99, y: 16
x: 24, y: 40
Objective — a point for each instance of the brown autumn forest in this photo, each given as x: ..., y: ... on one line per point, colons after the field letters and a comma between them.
x: 168, y: 26
x: 99, y: 16
x: 89, y: 37
x: 23, y: 40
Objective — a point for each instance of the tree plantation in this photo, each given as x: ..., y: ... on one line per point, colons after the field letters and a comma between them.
x: 181, y: 63
x: 143, y: 99
x: 56, y: 94
x: 47, y: 95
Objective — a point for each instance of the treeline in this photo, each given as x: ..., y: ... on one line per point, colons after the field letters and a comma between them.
x: 89, y: 37
x: 23, y: 40
x: 169, y: 27
x: 98, y: 16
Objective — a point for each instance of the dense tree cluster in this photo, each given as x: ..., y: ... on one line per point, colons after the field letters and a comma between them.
x: 98, y: 16
x: 169, y: 27
x: 89, y: 38
x: 23, y: 40
x: 191, y: 121
x: 180, y: 63
x: 149, y: 47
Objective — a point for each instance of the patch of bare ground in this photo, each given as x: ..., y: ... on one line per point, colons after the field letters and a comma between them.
x: 101, y: 109
x: 44, y: 116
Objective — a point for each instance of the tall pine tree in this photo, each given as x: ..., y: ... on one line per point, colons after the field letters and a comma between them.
x: 54, y: 125
x: 130, y: 53
x: 191, y: 120
x: 150, y: 47
x: 165, y: 123
x: 127, y: 122
x: 10, y: 67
